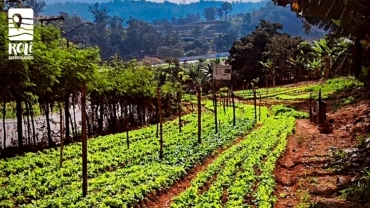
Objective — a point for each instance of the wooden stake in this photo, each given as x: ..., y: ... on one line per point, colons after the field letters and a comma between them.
x: 255, y: 104
x: 232, y: 99
x: 259, y: 111
x: 84, y: 140
x: 127, y: 140
x: 215, y: 104
x: 160, y: 124
x: 61, y: 134
x: 179, y: 109
x: 199, y: 116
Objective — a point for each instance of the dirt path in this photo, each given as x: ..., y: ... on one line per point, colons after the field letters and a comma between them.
x: 164, y: 198
x: 300, y: 174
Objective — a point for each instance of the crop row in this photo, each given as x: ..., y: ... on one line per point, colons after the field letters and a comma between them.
x: 304, y: 92
x: 36, y: 179
x: 230, y: 178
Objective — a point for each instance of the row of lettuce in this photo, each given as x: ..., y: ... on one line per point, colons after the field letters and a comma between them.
x: 244, y: 169
x: 121, y: 177
x: 303, y: 92
x: 118, y: 177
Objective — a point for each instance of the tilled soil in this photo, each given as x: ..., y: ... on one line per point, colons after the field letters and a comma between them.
x: 302, y: 175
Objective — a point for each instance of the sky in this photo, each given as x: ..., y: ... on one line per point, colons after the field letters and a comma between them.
x: 160, y: 1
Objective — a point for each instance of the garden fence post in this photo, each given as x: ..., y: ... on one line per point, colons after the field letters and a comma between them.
x: 160, y: 125
x: 84, y: 140
x: 61, y: 134
x: 199, y: 116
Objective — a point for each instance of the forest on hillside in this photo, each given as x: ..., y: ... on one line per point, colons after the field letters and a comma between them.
x: 214, y: 30
x: 146, y: 10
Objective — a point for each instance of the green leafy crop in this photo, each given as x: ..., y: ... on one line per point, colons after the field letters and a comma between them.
x: 118, y: 177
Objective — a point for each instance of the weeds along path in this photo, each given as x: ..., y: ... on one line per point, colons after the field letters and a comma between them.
x: 164, y: 198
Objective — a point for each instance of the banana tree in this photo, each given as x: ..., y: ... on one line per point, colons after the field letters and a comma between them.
x: 268, y: 68
x: 314, y: 66
x: 342, y: 52
x: 297, y: 63
x: 322, y: 51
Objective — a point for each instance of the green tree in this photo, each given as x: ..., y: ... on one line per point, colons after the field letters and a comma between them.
x: 246, y: 53
x: 226, y: 8
x: 210, y: 13
x: 36, y: 5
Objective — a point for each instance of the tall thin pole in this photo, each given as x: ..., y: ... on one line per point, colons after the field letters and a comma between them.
x: 179, y: 109
x: 199, y: 116
x: 259, y: 111
x: 61, y: 134
x: 160, y: 125
x: 255, y: 104
x: 215, y: 104
x: 84, y: 140
x: 232, y: 99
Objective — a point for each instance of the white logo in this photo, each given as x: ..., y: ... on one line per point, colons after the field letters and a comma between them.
x: 20, y: 33
x: 20, y: 24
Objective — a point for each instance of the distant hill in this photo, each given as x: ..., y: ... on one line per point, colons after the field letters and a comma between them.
x: 146, y: 10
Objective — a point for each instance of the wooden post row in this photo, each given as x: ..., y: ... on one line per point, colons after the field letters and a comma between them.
x: 84, y: 140
x: 199, y: 116
x: 215, y: 104
x: 160, y: 125
x: 61, y: 134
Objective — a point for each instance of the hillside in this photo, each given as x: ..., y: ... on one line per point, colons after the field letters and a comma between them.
x: 145, y: 10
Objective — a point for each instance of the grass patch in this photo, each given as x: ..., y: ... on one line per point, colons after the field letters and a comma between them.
x: 281, y: 110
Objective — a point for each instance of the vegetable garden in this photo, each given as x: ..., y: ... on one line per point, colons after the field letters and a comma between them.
x: 329, y: 87
x: 121, y: 175
x: 118, y: 176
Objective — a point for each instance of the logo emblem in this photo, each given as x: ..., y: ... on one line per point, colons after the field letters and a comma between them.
x: 20, y: 24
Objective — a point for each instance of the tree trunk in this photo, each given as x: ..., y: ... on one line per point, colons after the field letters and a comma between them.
x: 132, y: 119
x: 121, y: 123
x: 72, y: 125
x: 358, y: 58
x: 296, y: 75
x: 4, y: 115
x: 18, y: 101
x: 50, y: 141
x: 74, y: 114
x: 327, y: 66
x: 144, y: 111
x: 92, y: 115
x: 66, y: 115
x: 138, y: 107
x: 101, y: 108
x: 114, y: 117
x: 28, y: 123
x: 33, y: 126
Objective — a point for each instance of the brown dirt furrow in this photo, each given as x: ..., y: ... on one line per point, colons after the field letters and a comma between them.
x: 300, y: 174
x: 163, y: 199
